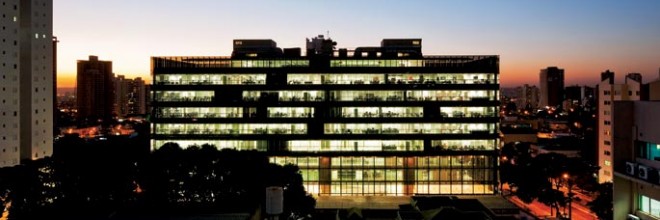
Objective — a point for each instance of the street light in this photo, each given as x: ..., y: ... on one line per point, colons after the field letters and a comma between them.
x: 570, y: 194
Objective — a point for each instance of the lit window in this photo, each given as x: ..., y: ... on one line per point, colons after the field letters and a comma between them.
x: 15, y: 19
x: 608, y: 163
x: 36, y: 36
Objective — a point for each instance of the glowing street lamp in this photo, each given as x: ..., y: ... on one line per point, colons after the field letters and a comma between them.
x: 569, y: 184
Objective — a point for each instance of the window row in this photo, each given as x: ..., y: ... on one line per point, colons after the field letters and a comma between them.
x: 184, y: 96
x: 210, y: 79
x: 200, y: 112
x: 362, y: 162
x: 409, y: 128
x: 464, y: 145
x: 285, y: 96
x: 209, y: 129
x: 347, y: 95
x: 391, y: 78
x: 268, y: 63
x: 344, y: 146
x: 219, y: 144
x: 468, y: 112
x: 376, y: 63
x: 417, y: 175
x: 396, y: 188
x: 412, y: 95
x: 355, y: 145
x: 382, y: 112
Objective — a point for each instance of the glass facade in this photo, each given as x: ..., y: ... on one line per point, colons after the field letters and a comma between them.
x: 355, y: 126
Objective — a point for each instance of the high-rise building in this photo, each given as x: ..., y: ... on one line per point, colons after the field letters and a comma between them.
x: 527, y: 97
x: 26, y: 85
x: 130, y: 98
x: 371, y: 121
x: 551, y: 87
x: 636, y: 163
x: 94, y: 89
x: 55, y: 110
x: 608, y: 92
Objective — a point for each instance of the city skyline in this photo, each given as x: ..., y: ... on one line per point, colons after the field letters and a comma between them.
x: 584, y: 38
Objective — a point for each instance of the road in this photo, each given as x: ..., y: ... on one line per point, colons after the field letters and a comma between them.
x: 542, y: 211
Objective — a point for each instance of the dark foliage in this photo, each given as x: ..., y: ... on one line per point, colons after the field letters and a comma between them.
x: 603, y: 204
x: 117, y: 177
x: 541, y: 178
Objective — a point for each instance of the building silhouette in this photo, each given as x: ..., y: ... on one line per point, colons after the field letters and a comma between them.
x: 551, y: 87
x: 371, y: 121
x: 608, y: 92
x: 130, y: 98
x: 26, y: 99
x: 95, y: 89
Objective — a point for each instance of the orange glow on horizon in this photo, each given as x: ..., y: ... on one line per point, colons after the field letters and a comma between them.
x: 68, y: 80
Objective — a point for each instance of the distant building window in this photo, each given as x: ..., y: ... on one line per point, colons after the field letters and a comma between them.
x: 637, y: 93
x: 608, y: 102
x: 606, y: 173
x: 608, y: 122
x: 630, y: 93
x: 608, y: 153
x: 607, y: 92
x: 606, y: 112
x: 608, y: 163
x: 608, y: 143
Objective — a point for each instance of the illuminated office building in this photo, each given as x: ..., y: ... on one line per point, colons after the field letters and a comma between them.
x: 371, y: 121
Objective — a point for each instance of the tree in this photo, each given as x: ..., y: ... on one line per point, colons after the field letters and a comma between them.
x: 603, y: 205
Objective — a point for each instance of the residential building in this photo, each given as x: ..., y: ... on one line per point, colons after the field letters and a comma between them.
x: 26, y: 86
x: 527, y: 97
x: 551, y: 87
x: 636, y: 142
x: 130, y: 97
x: 95, y: 89
x: 608, y: 92
x: 371, y: 121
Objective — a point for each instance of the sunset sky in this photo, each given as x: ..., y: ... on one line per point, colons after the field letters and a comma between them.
x: 584, y: 37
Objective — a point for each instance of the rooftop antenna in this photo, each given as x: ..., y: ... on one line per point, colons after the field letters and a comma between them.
x: 327, y: 34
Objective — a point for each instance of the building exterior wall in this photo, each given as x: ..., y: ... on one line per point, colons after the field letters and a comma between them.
x: 27, y: 81
x: 636, y: 141
x: 355, y: 126
x: 9, y: 106
x: 654, y: 90
x: 607, y: 94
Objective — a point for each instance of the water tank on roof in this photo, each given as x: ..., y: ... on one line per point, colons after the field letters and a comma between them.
x: 274, y: 200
